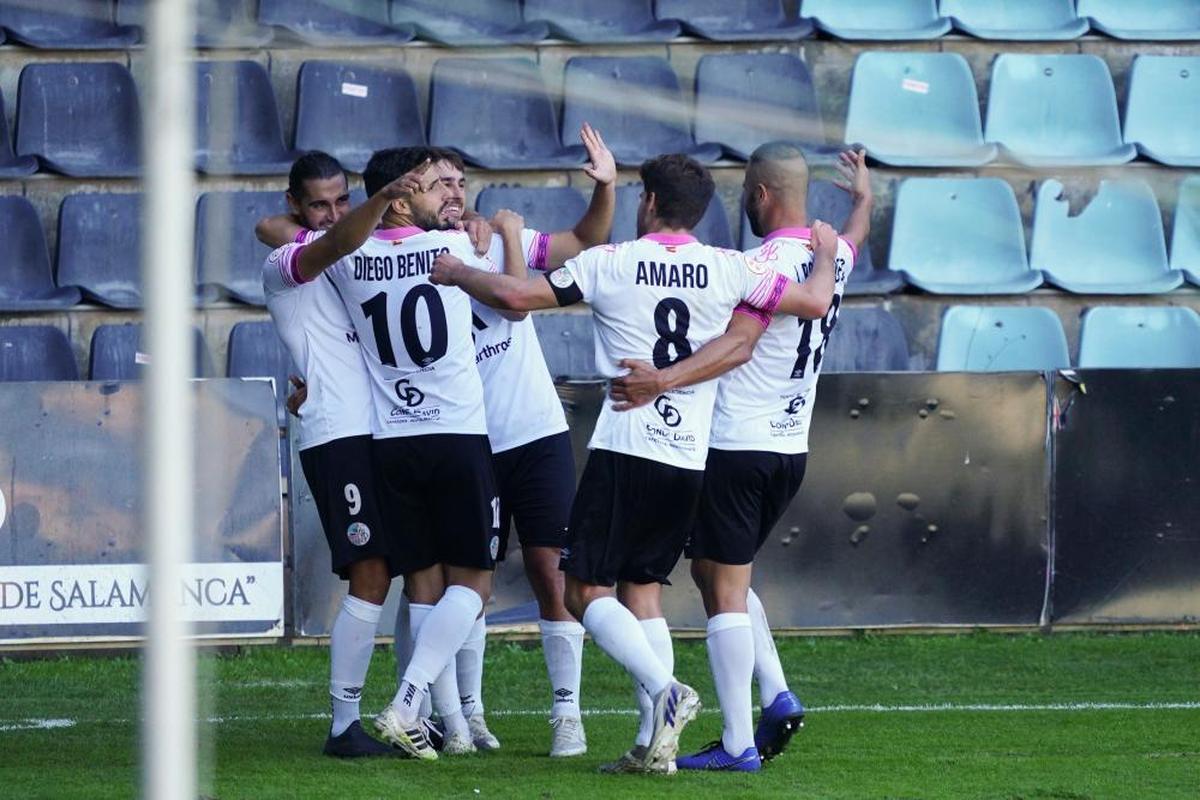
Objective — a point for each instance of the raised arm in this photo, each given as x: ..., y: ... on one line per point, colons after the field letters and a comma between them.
x: 500, y: 291
x: 595, y: 225
x: 856, y: 179
x: 278, y: 230
x: 510, y: 225
x: 811, y: 299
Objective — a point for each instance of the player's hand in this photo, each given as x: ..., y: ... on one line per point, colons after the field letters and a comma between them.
x: 509, y: 223
x: 602, y: 167
x: 298, y: 395
x: 411, y: 182
x: 446, y: 269
x: 636, y: 388
x: 479, y: 231
x: 854, y: 177
x: 824, y: 239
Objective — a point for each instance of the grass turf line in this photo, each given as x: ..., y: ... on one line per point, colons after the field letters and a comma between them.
x: 271, y: 702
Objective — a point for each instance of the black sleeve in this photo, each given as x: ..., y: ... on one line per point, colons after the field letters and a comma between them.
x: 566, y: 290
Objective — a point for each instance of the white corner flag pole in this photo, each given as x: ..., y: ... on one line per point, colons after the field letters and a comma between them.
x: 169, y: 676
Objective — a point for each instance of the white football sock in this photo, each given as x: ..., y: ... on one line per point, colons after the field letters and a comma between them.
x: 767, y: 669
x: 444, y: 695
x: 731, y: 657
x: 441, y: 635
x: 616, y: 630
x: 659, y: 637
x: 351, y: 643
x: 469, y: 666
x: 562, y: 646
x: 415, y: 618
x: 404, y: 634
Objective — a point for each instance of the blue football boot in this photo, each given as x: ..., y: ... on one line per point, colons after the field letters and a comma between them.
x: 778, y: 723
x: 714, y: 757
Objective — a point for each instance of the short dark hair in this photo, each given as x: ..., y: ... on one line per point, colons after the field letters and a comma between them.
x: 313, y: 165
x: 389, y: 164
x: 682, y: 188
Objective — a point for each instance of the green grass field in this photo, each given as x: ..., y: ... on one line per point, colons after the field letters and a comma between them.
x: 987, y: 716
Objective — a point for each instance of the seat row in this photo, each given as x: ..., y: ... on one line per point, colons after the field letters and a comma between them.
x: 94, y: 24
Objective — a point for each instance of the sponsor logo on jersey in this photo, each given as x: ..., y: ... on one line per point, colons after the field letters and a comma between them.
x: 798, y: 402
x: 408, y: 394
x: 490, y: 350
x: 494, y: 546
x: 358, y: 534
x: 669, y: 413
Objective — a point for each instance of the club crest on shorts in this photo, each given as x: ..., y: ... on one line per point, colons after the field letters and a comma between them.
x: 358, y: 534
x: 494, y: 546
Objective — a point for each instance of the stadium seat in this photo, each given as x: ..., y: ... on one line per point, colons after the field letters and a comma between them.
x: 237, y: 121
x: 99, y: 247
x: 568, y: 345
x: 712, y: 229
x: 219, y: 23
x: 1162, y: 114
x: 746, y: 99
x: 885, y: 20
x: 1144, y: 19
x: 25, y: 280
x: 916, y: 109
x: 866, y: 339
x: 549, y: 209
x: 470, y: 99
x: 256, y: 351
x: 1001, y: 339
x: 735, y: 20
x: 351, y: 110
x: 322, y: 23
x: 229, y: 258
x: 467, y: 22
x: 1114, y: 246
x: 827, y: 202
x: 961, y: 236
x: 81, y: 119
x: 71, y: 25
x: 1140, y: 337
x: 117, y: 354
x: 1016, y: 20
x: 1055, y: 110
x: 598, y: 23
x: 35, y: 353
x: 1185, y: 238
x: 12, y: 165
x: 635, y: 102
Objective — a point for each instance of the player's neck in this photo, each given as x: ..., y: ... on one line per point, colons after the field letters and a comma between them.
x: 667, y: 230
x: 786, y: 218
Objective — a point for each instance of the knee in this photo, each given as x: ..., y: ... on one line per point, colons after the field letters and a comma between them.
x: 576, y: 598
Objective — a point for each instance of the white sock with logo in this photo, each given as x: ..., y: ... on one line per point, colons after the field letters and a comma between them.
x: 469, y: 665
x: 413, y: 619
x: 767, y: 669
x: 441, y: 635
x: 658, y: 634
x: 562, y: 646
x: 731, y: 657
x: 443, y: 693
x: 616, y: 630
x: 351, y: 643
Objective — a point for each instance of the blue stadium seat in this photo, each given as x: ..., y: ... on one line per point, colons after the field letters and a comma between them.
x: 833, y: 205
x: 229, y: 258
x: 256, y: 351
x: 12, y: 165
x: 598, y: 23
x: 99, y: 247
x: 351, y: 110
x: 320, y: 22
x: 1185, y: 237
x: 635, y: 102
x: 546, y: 209
x: 470, y: 99
x: 747, y: 99
x: 36, y: 353
x: 25, y: 280
x: 735, y: 20
x: 916, y: 109
x: 1114, y: 246
x: 885, y: 20
x: 468, y: 22
x: 961, y: 236
x: 81, y: 119
x: 71, y: 25
x: 568, y: 344
x: 1001, y: 339
x: 237, y: 121
x: 1016, y: 20
x: 1144, y: 19
x: 1055, y: 110
x: 866, y: 339
x: 1162, y: 114
x: 219, y: 23
x: 117, y: 354
x: 1140, y: 337
x: 712, y: 229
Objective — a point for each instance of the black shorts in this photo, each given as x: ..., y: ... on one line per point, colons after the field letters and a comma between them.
x: 745, y: 494
x: 341, y: 478
x: 536, y: 483
x: 438, y: 499
x: 630, y: 519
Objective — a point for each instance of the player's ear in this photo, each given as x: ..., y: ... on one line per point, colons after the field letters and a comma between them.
x: 293, y: 203
x: 400, y: 206
x: 651, y: 203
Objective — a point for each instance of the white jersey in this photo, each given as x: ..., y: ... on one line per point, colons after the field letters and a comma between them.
x: 415, y: 337
x: 660, y: 299
x: 767, y: 403
x: 519, y: 395
x: 318, y: 334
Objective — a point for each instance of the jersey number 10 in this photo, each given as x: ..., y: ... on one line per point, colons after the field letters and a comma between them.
x: 375, y: 310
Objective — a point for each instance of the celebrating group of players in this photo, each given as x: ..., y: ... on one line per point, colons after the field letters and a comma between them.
x: 429, y: 425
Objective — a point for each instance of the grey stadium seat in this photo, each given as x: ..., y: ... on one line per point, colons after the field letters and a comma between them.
x: 256, y: 351
x: 867, y: 339
x: 546, y: 209
x: 616, y: 21
x: 229, y: 257
x: 735, y: 20
x: 35, y: 353
x: 65, y: 25
x: 99, y: 247
x: 237, y: 121
x: 320, y: 22
x: 26, y: 283
x: 468, y: 22
x: 118, y: 354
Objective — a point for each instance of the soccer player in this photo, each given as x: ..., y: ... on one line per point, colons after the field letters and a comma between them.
x: 759, y: 448
x: 660, y: 297
x: 430, y: 452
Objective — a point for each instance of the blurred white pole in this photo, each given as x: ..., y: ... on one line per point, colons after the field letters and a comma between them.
x: 169, y: 677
